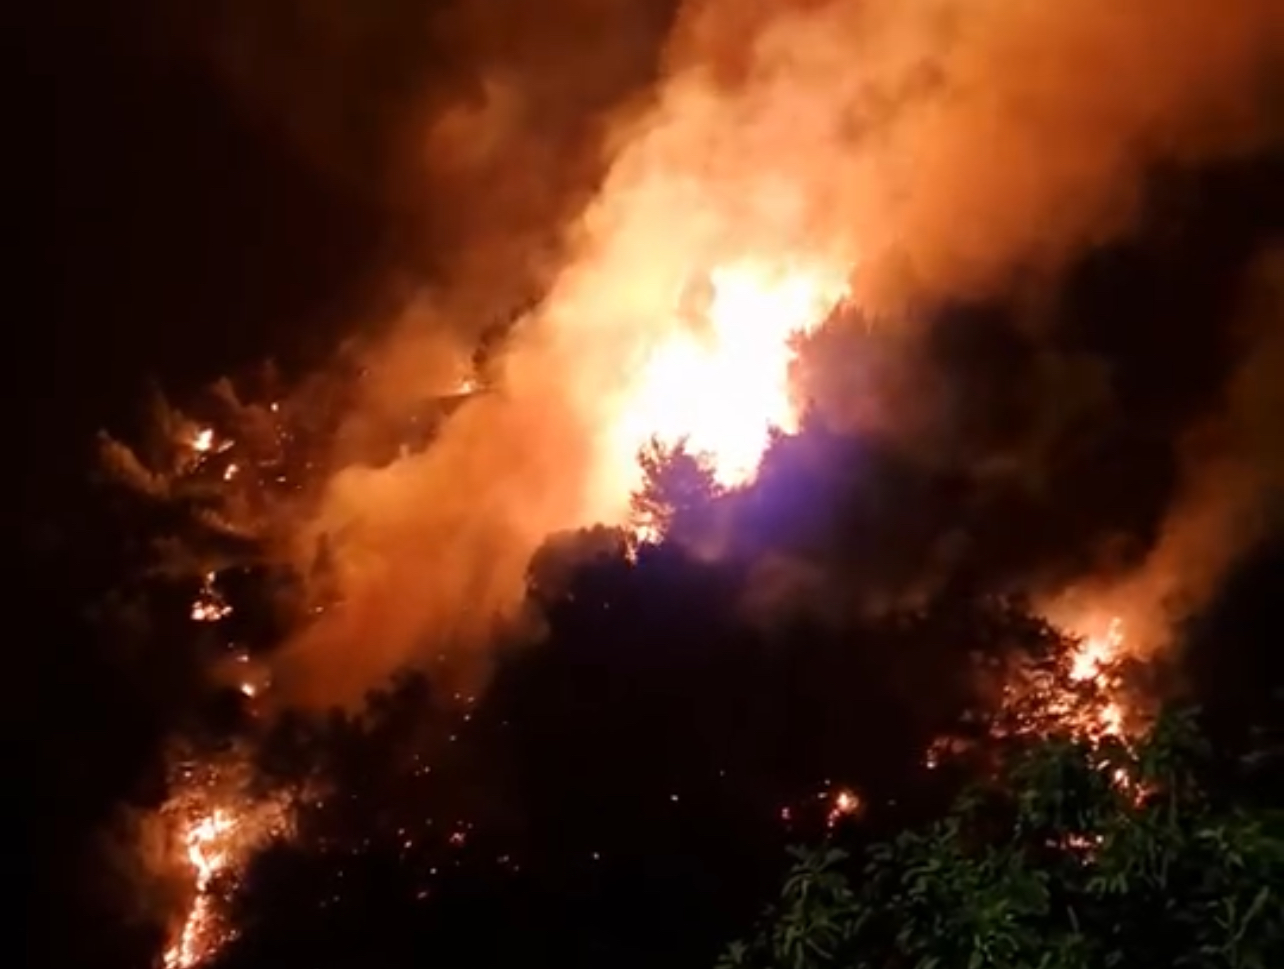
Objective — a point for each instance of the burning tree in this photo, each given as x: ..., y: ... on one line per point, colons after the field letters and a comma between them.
x: 677, y: 493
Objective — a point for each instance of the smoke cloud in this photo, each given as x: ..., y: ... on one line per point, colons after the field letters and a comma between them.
x: 949, y: 145
x: 1228, y: 493
x: 932, y: 150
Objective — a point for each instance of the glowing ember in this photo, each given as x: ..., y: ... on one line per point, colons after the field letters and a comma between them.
x: 842, y: 804
x: 203, y: 441
x: 209, y: 606
x: 720, y: 384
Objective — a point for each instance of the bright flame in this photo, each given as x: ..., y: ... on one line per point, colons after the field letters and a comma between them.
x: 208, y: 841
x: 216, y: 842
x: 720, y: 383
x: 1093, y: 661
x: 1097, y: 652
x: 1038, y: 701
x: 1086, y: 696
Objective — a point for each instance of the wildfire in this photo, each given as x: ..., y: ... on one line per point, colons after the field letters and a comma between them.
x: 1094, y: 661
x: 208, y: 841
x: 220, y: 823
x: 719, y: 384
x: 1082, y: 694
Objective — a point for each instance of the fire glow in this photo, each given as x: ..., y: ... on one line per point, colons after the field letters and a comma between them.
x: 1093, y: 661
x: 719, y: 384
x: 207, y: 846
x: 216, y: 844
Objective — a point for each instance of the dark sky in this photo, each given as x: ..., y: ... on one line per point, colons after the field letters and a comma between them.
x: 186, y: 240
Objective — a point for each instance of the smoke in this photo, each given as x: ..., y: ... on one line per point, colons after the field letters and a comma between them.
x: 953, y: 144
x: 933, y: 150
x: 430, y: 553
x: 1227, y: 497
x: 473, y: 126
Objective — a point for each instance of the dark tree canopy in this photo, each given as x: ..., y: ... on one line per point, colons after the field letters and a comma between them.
x: 1080, y: 855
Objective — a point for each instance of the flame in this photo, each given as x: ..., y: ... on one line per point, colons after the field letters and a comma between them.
x: 209, y: 850
x: 1094, y: 661
x: 719, y: 383
x: 219, y: 831
x: 1097, y: 652
x: 1085, y: 696
x: 1106, y: 713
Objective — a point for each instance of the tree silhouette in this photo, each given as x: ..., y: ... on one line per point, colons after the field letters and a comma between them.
x: 676, y: 499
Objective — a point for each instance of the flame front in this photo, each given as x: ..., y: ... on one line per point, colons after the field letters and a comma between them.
x: 208, y: 842
x: 1093, y: 661
x: 216, y: 844
x: 718, y: 383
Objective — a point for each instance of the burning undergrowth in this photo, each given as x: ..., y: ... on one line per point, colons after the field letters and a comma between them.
x: 239, y: 488
x: 221, y: 814
x: 300, y: 780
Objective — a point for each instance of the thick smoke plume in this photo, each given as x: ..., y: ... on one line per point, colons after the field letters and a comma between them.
x: 931, y: 150
x: 953, y: 144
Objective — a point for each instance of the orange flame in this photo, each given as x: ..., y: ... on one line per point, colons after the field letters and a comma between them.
x: 721, y: 385
x: 1093, y: 661
x: 208, y: 853
x: 217, y: 842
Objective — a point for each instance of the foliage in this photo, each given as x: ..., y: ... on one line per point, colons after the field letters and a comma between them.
x: 1086, y: 855
x: 678, y: 487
